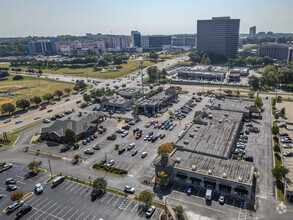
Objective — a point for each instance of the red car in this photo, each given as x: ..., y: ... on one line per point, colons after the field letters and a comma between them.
x: 160, y: 126
x: 95, y: 135
x: 137, y: 136
x: 43, y: 107
x: 33, y: 173
x: 156, y: 122
x: 284, y: 134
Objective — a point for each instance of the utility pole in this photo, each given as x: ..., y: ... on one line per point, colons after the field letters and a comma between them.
x: 141, y: 66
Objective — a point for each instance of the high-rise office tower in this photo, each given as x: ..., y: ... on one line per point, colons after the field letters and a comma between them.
x: 219, y: 36
x: 135, y: 39
x: 44, y: 47
x: 252, y: 31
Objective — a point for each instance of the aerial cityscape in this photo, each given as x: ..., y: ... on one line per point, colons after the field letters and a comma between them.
x: 168, y: 110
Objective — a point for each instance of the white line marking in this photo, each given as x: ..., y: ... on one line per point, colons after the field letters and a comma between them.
x: 105, y: 197
x: 110, y: 200
x: 72, y: 183
x: 80, y: 215
x: 73, y: 214
x: 134, y: 207
x: 116, y: 201
x: 46, y: 213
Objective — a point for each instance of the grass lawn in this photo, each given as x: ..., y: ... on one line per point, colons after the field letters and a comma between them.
x: 250, y: 46
x: 12, y: 137
x: 131, y: 66
x: 37, y: 87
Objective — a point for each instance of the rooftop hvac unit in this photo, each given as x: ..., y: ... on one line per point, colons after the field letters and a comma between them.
x: 193, y: 168
x: 240, y: 179
x: 224, y: 175
x: 178, y: 160
x: 210, y: 172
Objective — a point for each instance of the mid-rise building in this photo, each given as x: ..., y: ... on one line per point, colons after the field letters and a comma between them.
x: 219, y: 36
x: 276, y: 51
x: 184, y: 40
x: 44, y: 47
x: 119, y: 42
x: 156, y: 42
x: 252, y: 31
x: 78, y: 49
x: 135, y: 39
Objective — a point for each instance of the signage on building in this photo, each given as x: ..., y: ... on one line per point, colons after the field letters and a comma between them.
x: 210, y: 179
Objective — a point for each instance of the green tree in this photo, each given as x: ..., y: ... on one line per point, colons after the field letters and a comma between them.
x: 165, y: 148
x: 100, y: 183
x: 279, y: 172
x: 16, y: 195
x: 118, y: 61
x: 67, y: 90
x: 36, y: 99
x: 48, y: 97
x: 171, y: 113
x: 179, y: 211
x: 277, y: 147
x: 23, y: 103
x: 164, y: 73
x: 34, y: 165
x: 7, y: 108
x: 69, y: 137
x: 86, y: 97
x: 283, y: 111
x: 258, y: 102
x: 154, y: 55
x: 153, y: 73
x: 116, y: 87
x: 58, y: 93
x: 146, y: 197
x: 275, y: 128
x: 208, y: 61
x: 123, y: 85
x: 103, y: 62
x: 254, y: 81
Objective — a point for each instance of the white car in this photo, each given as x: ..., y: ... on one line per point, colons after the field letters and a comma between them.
x: 7, y: 120
x: 38, y: 188
x: 37, y: 117
x: 146, y: 137
x: 287, y: 146
x: 286, y: 140
x: 111, y: 163
x: 239, y: 151
x: 125, y: 133
x: 129, y: 189
x: 150, y: 211
x: 132, y: 145
x: 18, y: 121
x: 144, y: 154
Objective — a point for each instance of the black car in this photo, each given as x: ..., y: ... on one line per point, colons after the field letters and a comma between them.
x: 121, y: 150
x: 23, y: 211
x: 65, y: 148
x: 139, y: 131
x: 112, y: 138
x: 53, y: 118
x: 248, y: 158
x: 84, y: 142
x: 88, y: 140
x: 95, y: 109
x: 92, y: 138
x: 154, y: 139
x: 50, y: 110
x: 126, y: 127
x: 151, y: 133
x: 58, y: 116
x: 162, y: 136
x: 66, y: 100
x: 96, y: 193
x: 135, y: 130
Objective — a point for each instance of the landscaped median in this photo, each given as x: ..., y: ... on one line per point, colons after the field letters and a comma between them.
x: 26, y: 149
x: 107, y: 169
x: 26, y: 196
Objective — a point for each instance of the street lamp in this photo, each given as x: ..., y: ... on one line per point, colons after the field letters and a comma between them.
x: 141, y: 66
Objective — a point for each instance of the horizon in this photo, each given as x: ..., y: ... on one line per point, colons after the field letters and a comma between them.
x: 76, y: 18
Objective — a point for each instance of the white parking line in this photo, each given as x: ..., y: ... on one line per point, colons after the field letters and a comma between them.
x: 80, y: 215
x: 82, y: 187
x: 110, y: 200
x: 86, y: 189
x: 116, y: 201
x: 73, y: 214
x: 61, y: 210
x: 74, y: 187
x: 66, y: 212
x: 128, y: 205
x: 49, y: 209
x: 88, y: 193
x: 45, y: 213
x: 94, y: 217
x: 86, y: 217
x: 65, y: 184
x: 134, y: 207
x: 37, y: 201
x: 30, y: 199
x: 105, y: 197
x: 72, y: 183
x: 118, y: 165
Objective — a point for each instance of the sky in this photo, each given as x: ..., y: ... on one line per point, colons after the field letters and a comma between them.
x: 20, y: 18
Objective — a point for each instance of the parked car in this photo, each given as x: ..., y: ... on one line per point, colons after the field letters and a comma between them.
x: 287, y: 146
x: 18, y: 121
x: 15, y: 206
x: 97, y: 147
x: 189, y: 191
x: 10, y: 181
x: 23, y: 211
x: 66, y: 100
x: 33, y: 173
x: 125, y: 133
x: 112, y: 137
x: 6, y: 167
x: 144, y: 154
x: 119, y: 131
x: 248, y: 158
x: 130, y: 146
x: 222, y: 199
x: 37, y: 117
x: 284, y: 134
x: 39, y: 188
x: 103, y: 161
x: 84, y: 142
x: 46, y: 121
x: 150, y: 211
x: 133, y: 153
x: 162, y: 136
x: 11, y: 187
x: 96, y: 193
x: 89, y: 151
x: 88, y: 140
x: 58, y: 180
x: 239, y: 151
x: 111, y: 163
x: 42, y: 108
x: 121, y: 150
x: 129, y: 189
x: 50, y: 110
x: 288, y: 154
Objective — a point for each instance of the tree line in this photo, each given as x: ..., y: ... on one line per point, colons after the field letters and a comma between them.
x: 156, y: 75
x: 250, y: 61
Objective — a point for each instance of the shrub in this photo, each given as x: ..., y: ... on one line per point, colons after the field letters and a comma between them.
x: 277, y: 147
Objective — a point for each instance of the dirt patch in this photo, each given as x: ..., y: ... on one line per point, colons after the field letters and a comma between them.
x: 16, y: 86
x: 6, y: 101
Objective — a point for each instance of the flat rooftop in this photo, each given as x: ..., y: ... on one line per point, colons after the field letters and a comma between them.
x: 155, y: 99
x: 233, y: 104
x: 119, y: 100
x: 232, y: 170
x: 215, y: 138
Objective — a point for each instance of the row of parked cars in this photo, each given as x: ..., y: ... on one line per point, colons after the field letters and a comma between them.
x: 287, y: 144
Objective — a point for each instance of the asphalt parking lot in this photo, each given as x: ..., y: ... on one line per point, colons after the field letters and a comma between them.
x: 25, y: 182
x: 71, y: 200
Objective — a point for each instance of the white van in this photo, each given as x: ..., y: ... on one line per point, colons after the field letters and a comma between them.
x: 58, y: 180
x: 209, y: 193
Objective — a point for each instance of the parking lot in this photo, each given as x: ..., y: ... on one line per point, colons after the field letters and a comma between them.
x: 71, y: 200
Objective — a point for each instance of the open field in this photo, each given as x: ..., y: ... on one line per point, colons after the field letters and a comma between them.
x: 128, y: 68
x: 29, y: 87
